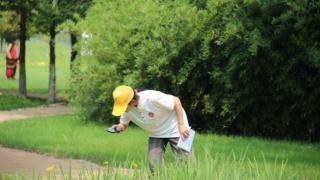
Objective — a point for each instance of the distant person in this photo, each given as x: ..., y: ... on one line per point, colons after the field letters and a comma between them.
x: 11, y: 60
x: 160, y: 114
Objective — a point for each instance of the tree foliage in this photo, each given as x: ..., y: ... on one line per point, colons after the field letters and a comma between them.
x: 9, y: 25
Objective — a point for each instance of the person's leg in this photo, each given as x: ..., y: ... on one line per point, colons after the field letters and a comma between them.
x: 7, y: 73
x: 13, y: 72
x: 178, y: 153
x: 157, y: 147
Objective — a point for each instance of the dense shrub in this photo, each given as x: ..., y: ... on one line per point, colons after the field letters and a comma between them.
x: 262, y: 62
x: 132, y: 43
x: 241, y: 67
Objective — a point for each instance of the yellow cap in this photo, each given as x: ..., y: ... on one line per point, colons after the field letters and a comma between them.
x: 122, y: 95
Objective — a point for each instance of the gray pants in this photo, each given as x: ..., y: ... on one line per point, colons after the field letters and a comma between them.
x: 157, y: 148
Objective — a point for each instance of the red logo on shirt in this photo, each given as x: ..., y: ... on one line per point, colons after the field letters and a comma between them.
x: 151, y: 114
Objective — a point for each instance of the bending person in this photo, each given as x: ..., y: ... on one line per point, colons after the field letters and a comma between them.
x: 160, y: 114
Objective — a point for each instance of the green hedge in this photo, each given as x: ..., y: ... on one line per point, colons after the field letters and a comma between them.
x: 240, y: 67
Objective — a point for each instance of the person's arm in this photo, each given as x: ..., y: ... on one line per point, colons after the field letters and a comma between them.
x: 8, y: 51
x: 184, y: 132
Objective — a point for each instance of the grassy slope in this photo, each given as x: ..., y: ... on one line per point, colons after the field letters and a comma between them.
x: 217, y: 156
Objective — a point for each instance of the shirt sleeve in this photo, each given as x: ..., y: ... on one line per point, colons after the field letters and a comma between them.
x: 165, y: 101
x: 124, y: 119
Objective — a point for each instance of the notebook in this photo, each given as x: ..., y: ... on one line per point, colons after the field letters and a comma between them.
x: 186, y: 144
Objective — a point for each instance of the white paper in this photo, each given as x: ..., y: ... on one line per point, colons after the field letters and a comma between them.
x: 186, y: 144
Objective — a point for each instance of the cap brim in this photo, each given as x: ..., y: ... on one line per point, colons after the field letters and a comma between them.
x: 118, y: 110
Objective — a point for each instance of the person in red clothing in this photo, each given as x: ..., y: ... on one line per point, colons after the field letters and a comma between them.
x: 11, y: 60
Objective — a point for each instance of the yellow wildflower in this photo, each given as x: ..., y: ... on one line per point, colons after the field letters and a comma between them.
x: 106, y: 163
x: 51, y: 168
x: 134, y: 165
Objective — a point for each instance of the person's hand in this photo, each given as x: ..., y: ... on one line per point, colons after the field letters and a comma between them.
x: 119, y: 127
x: 184, y: 132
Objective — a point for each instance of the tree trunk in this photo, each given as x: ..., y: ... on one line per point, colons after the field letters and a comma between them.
x: 74, y: 52
x: 22, y: 65
x: 52, y: 68
x: 1, y: 44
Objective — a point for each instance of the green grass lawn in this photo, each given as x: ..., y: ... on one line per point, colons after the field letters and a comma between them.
x: 14, y: 102
x: 216, y: 157
x: 37, y: 67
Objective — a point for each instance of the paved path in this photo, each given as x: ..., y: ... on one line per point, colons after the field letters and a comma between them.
x: 14, y: 161
x: 30, y: 164
x: 24, y: 113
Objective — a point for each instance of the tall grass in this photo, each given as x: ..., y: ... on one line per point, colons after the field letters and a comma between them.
x: 215, y: 166
x: 37, y: 67
x: 215, y: 157
x: 223, y: 166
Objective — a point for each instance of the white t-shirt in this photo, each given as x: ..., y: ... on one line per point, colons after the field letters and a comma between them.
x: 155, y: 114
